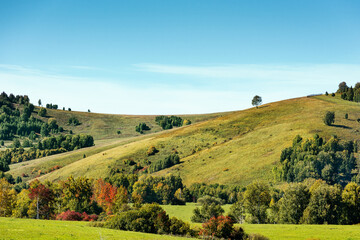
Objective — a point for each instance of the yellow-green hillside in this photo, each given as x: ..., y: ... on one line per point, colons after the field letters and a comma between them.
x: 105, y: 126
x: 235, y: 148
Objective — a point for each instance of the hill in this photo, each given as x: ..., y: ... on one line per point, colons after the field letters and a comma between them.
x: 233, y: 148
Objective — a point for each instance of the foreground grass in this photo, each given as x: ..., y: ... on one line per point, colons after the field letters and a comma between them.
x: 303, y: 232
x: 278, y: 231
x: 12, y: 228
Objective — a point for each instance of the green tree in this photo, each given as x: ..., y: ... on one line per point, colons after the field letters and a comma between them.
x: 351, y: 199
x: 329, y: 118
x: 16, y: 143
x: 324, y: 206
x: 256, y: 101
x: 39, y: 102
x: 256, y: 201
x: 7, y: 198
x: 210, y: 207
x: 42, y: 112
x: 77, y: 194
x: 293, y: 203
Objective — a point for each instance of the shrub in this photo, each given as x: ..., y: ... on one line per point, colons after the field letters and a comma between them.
x: 256, y: 236
x: 346, y: 116
x: 333, y: 94
x: 142, y: 127
x: 76, y: 216
x: 221, y: 227
x: 152, y: 151
x: 186, y: 122
x: 329, y: 118
x: 73, y: 121
x: 69, y: 216
x: 42, y: 112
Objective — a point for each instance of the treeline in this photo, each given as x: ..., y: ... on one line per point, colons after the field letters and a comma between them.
x: 14, y: 121
x: 349, y: 93
x: 177, y: 192
x: 169, y: 122
x: 310, y: 202
x: 46, y: 147
x: 83, y: 199
x: 52, y: 106
x: 169, y: 161
x: 332, y: 161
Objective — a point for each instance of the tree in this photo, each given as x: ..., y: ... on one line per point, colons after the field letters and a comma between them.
x: 221, y: 227
x: 256, y: 201
x: 42, y: 112
x: 210, y: 207
x: 104, y: 194
x: 351, y: 200
x: 329, y: 118
x: 293, y: 203
x: 77, y: 194
x: 42, y: 197
x: 324, y: 206
x: 39, y: 102
x: 22, y: 204
x: 7, y: 198
x: 16, y: 143
x: 342, y: 87
x: 256, y: 101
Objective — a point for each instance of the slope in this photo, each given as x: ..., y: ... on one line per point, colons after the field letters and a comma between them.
x: 235, y: 148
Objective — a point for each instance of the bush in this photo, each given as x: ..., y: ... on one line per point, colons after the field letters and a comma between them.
x: 141, y: 128
x: 211, y: 207
x: 346, y: 116
x: 152, y: 151
x: 69, y: 216
x: 329, y: 118
x: 42, y: 112
x: 73, y: 121
x: 76, y: 216
x: 221, y: 227
x: 256, y: 236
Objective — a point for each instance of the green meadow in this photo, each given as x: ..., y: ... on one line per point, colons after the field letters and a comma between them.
x: 19, y: 229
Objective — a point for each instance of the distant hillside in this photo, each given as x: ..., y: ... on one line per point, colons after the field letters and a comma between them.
x: 235, y: 148
x: 105, y: 126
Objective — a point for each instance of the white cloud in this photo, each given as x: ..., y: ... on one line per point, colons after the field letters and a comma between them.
x: 232, y: 87
x: 267, y: 72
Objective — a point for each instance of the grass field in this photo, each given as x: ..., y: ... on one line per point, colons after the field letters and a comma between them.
x: 233, y: 148
x: 11, y: 228
x: 19, y: 229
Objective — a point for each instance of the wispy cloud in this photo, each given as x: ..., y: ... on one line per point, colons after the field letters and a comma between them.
x: 296, y: 72
x: 222, y: 88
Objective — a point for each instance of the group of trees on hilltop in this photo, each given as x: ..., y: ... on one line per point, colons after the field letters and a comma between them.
x: 46, y: 147
x: 349, y: 93
x: 333, y: 161
x: 169, y: 122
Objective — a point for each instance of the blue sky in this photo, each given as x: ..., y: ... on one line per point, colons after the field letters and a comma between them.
x: 171, y: 57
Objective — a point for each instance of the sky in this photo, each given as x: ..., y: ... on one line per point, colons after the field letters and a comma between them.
x: 176, y: 57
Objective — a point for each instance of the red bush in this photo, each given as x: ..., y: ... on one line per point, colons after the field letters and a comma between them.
x: 75, y: 216
x: 69, y: 216
x: 221, y: 227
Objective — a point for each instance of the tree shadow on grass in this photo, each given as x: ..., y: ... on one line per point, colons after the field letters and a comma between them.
x: 341, y: 126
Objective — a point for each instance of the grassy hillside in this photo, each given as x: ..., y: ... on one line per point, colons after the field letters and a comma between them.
x: 105, y: 126
x: 14, y: 228
x: 235, y: 148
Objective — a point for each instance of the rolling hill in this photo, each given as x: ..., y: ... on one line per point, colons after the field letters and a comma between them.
x: 226, y: 148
